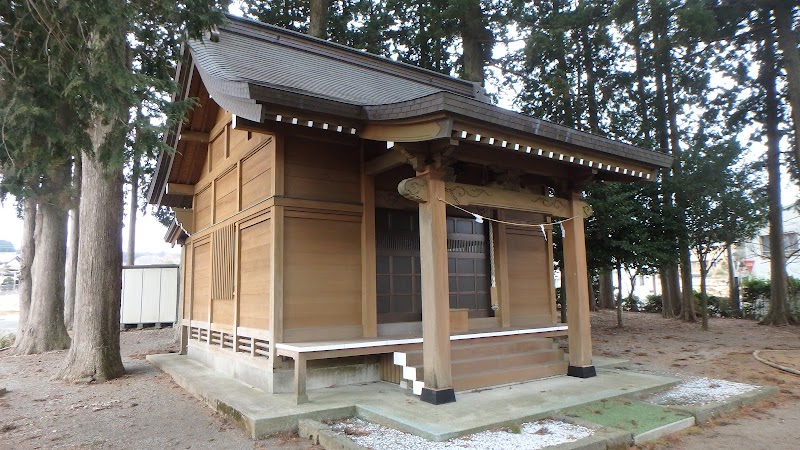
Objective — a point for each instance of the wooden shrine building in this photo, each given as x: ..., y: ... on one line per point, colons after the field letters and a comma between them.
x: 346, y: 218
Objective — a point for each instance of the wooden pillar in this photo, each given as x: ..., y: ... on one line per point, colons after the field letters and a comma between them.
x: 276, y: 258
x: 369, y: 314
x: 577, y: 282
x: 300, y: 379
x: 501, y: 270
x: 435, y: 292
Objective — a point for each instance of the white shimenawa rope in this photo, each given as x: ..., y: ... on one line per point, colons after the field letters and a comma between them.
x: 480, y: 218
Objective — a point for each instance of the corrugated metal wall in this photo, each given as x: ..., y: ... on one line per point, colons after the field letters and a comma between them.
x: 149, y: 294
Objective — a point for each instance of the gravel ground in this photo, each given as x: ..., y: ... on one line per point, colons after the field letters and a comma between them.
x: 532, y: 435
x: 700, y: 391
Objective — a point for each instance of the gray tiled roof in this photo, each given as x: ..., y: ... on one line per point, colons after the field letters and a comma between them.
x: 254, y: 64
x: 249, y: 54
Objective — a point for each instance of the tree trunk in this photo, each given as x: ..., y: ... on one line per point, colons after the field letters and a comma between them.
x: 619, y: 295
x: 703, y: 293
x: 675, y: 289
x: 318, y: 18
x: 72, y: 248
x: 94, y: 355
x: 606, y: 290
x: 592, y: 296
x: 130, y: 257
x: 26, y: 263
x: 591, y: 82
x: 631, y: 296
x: 787, y: 42
x: 667, y: 306
x: 476, y: 40
x: 733, y: 284
x: 44, y: 329
x: 564, y: 294
x: 778, y: 313
x: 687, y: 293
x: 641, y: 86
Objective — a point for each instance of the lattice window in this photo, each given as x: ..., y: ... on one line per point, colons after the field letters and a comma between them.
x: 223, y: 242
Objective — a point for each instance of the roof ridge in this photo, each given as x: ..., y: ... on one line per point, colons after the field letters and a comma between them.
x: 297, y: 40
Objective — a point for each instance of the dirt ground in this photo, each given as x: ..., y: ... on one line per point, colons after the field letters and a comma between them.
x: 145, y: 409
x: 677, y: 348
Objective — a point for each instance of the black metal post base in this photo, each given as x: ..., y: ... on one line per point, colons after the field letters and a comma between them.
x: 581, y: 371
x: 438, y: 396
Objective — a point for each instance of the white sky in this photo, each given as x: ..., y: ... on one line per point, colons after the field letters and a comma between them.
x: 149, y: 233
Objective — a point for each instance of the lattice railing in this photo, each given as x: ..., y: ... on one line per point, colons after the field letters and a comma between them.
x: 256, y: 347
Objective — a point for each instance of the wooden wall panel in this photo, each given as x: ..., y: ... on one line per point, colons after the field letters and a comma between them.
x: 227, y: 202
x: 201, y: 281
x: 187, y: 274
x: 202, y: 209
x: 237, y: 140
x: 254, y: 275
x: 528, y: 277
x: 257, y: 175
x: 322, y: 171
x: 322, y: 277
x: 217, y: 149
x: 222, y: 311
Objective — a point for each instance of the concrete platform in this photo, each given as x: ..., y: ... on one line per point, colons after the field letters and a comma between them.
x: 261, y: 414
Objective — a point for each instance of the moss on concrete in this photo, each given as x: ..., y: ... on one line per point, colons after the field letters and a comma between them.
x: 634, y: 417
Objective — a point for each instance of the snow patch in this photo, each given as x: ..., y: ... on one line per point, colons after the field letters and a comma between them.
x: 532, y: 435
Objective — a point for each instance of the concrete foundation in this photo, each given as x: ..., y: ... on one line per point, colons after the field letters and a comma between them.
x: 262, y: 414
x: 261, y: 374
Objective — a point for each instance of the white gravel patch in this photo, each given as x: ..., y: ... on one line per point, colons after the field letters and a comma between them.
x: 700, y: 391
x: 533, y: 435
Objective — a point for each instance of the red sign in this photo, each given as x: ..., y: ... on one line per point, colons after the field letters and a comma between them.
x: 748, y: 264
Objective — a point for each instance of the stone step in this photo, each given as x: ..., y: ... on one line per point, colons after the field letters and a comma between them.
x: 470, y: 349
x: 490, y: 362
x: 502, y: 375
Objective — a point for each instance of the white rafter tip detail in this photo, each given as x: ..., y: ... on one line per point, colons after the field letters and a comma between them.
x: 339, y: 129
x: 624, y: 171
x: 389, y: 144
x: 310, y: 123
x: 580, y: 161
x: 324, y: 126
x: 590, y: 163
x: 464, y: 135
x: 561, y: 157
x: 504, y: 144
x: 616, y: 169
x: 540, y: 152
x: 294, y: 120
x: 527, y: 149
x: 550, y: 155
x: 278, y: 118
x: 571, y: 159
x: 516, y: 146
x: 352, y: 131
x: 648, y: 176
x: 477, y: 137
x: 491, y: 141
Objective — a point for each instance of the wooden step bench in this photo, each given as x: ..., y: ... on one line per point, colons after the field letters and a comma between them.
x: 303, y: 352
